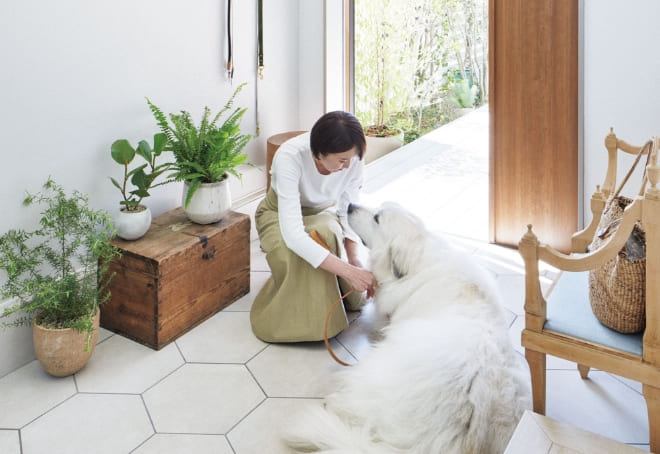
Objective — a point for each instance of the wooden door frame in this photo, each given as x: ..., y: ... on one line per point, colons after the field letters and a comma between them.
x: 552, y: 233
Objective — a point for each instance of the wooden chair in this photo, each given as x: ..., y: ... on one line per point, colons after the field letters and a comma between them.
x: 564, y: 325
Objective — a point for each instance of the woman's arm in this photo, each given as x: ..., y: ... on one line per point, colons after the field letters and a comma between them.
x: 352, y: 252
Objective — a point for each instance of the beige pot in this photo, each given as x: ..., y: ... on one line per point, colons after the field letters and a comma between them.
x: 61, y: 352
x: 378, y: 147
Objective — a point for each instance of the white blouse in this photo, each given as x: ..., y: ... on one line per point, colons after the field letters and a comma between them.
x: 298, y: 183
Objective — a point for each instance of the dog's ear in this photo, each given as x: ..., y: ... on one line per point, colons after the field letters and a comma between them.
x: 396, y: 272
x: 405, y: 252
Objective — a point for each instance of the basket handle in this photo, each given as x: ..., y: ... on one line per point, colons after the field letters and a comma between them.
x: 648, y: 147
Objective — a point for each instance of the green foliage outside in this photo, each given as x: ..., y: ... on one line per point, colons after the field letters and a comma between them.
x: 412, y: 57
x: 204, y: 153
x: 58, y: 272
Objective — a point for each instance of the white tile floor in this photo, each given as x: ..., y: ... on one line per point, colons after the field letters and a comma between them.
x: 218, y: 389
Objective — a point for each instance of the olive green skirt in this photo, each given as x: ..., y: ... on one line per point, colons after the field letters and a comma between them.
x: 292, y: 305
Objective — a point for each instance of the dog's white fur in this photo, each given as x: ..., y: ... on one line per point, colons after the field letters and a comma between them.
x: 444, y: 378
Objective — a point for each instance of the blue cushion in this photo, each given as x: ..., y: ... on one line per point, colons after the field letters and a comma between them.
x: 569, y: 312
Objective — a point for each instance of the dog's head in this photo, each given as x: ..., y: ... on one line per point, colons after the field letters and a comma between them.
x: 394, y: 237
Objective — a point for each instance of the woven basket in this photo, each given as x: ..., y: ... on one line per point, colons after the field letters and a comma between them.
x: 617, y: 290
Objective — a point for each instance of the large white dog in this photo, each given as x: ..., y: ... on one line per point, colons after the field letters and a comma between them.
x: 444, y: 378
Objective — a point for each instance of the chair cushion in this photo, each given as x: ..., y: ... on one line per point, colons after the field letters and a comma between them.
x: 569, y: 312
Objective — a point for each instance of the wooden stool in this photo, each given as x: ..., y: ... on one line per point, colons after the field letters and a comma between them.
x: 272, y: 145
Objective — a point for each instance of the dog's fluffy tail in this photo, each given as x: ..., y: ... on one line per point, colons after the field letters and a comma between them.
x: 316, y: 430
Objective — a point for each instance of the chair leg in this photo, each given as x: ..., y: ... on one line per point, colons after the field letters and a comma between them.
x: 584, y: 371
x: 536, y: 361
x: 652, y: 395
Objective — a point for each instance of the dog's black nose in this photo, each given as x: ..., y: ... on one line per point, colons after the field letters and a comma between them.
x: 351, y: 207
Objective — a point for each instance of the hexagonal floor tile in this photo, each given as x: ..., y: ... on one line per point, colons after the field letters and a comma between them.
x: 9, y: 443
x: 260, y: 431
x: 224, y: 338
x: 133, y: 366
x: 362, y: 332
x: 599, y: 404
x: 257, y: 281
x: 308, y: 368
x: 98, y: 423
x: 29, y: 392
x: 185, y: 443
x: 203, y: 398
x: 258, y: 260
x: 512, y: 291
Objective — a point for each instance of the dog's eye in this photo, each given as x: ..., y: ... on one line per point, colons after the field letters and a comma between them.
x: 377, y: 218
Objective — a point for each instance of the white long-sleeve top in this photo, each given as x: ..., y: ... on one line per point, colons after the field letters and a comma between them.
x: 297, y: 183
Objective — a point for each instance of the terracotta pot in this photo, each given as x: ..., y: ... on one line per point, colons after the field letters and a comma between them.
x: 61, y: 352
x: 132, y: 225
x: 209, y: 203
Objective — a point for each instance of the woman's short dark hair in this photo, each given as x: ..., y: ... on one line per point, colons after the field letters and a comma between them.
x: 337, y: 132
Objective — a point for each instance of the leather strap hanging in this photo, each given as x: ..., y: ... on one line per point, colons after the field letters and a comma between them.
x: 230, y: 43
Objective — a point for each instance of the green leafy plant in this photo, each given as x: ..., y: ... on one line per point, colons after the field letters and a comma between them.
x: 58, y: 273
x: 123, y: 153
x: 403, y: 51
x: 462, y: 95
x: 206, y: 153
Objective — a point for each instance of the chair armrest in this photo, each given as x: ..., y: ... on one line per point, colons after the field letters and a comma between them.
x: 608, y: 250
x: 532, y: 250
x: 582, y: 239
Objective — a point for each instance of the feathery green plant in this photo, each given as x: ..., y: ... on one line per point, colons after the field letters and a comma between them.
x: 207, y: 153
x: 58, y: 273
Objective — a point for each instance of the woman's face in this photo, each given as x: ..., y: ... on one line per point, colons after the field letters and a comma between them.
x: 334, y: 162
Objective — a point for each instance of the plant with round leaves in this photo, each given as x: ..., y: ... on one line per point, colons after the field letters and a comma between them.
x: 142, y: 177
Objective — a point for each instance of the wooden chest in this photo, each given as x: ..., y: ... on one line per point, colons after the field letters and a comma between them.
x: 176, y: 276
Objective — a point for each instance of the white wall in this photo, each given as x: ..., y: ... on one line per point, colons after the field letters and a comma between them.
x: 311, y: 76
x: 75, y: 75
x: 621, y: 81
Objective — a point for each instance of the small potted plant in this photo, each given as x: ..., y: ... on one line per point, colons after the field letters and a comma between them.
x: 205, y: 156
x: 57, y: 275
x: 462, y: 96
x: 134, y: 219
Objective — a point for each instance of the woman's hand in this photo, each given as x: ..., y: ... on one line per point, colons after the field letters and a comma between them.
x: 360, y: 279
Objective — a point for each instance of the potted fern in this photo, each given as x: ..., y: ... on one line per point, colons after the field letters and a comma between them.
x: 205, y: 156
x: 133, y: 218
x: 57, y: 276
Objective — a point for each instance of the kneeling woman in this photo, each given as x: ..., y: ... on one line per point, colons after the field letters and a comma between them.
x: 314, y: 177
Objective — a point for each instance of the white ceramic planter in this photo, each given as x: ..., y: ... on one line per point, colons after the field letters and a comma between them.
x: 209, y: 203
x: 132, y: 225
x: 379, y: 146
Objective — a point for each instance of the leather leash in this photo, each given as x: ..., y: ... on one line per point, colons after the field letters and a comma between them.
x: 317, y: 237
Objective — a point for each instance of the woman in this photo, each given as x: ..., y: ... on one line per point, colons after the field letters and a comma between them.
x: 314, y: 177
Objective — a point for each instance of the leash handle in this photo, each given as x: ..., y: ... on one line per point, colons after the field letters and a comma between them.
x: 316, y: 236
x: 325, y: 328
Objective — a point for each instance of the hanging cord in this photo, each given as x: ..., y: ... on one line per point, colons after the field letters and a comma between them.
x: 260, y: 39
x: 260, y: 65
x: 317, y: 237
x: 230, y: 44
